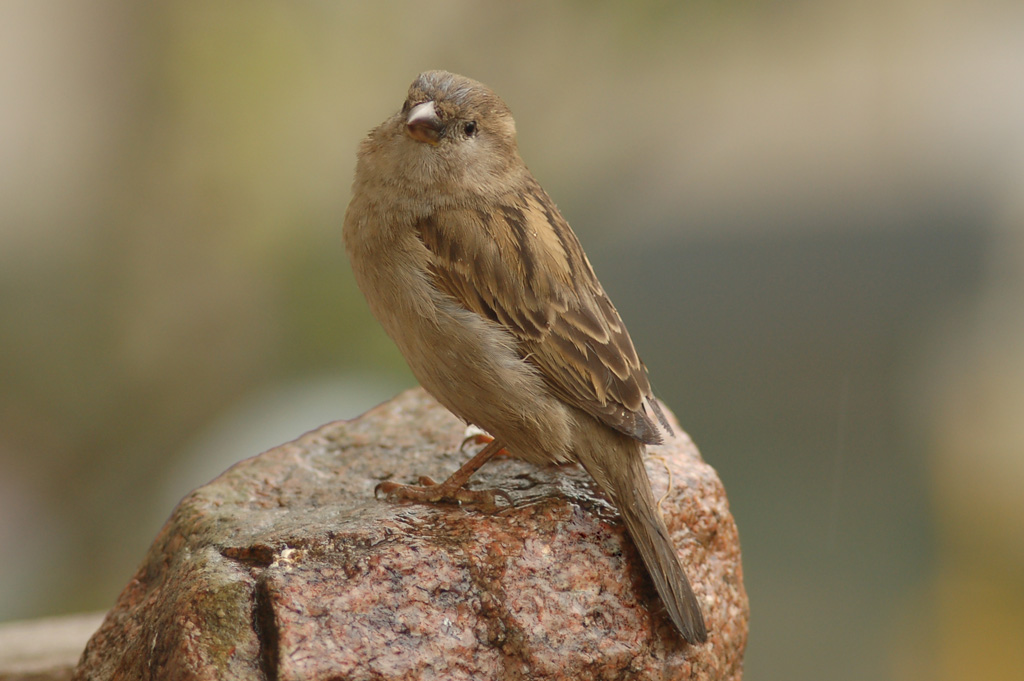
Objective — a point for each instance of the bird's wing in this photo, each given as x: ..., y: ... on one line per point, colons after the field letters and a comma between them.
x: 520, y: 265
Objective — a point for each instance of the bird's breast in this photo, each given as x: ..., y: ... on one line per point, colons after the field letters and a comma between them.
x: 470, y: 364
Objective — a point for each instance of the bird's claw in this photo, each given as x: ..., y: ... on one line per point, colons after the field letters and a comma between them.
x: 429, y: 492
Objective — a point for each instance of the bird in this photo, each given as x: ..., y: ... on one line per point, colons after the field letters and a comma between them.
x: 475, y: 275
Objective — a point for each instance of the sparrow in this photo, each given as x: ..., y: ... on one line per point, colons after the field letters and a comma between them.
x: 480, y: 282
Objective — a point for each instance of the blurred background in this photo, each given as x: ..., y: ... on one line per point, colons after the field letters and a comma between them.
x: 811, y: 216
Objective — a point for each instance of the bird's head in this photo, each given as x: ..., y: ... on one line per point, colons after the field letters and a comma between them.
x: 452, y: 135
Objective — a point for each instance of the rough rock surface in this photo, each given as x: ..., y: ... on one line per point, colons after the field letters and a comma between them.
x: 286, y: 567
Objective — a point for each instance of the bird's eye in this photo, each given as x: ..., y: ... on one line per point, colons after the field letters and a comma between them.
x: 469, y: 127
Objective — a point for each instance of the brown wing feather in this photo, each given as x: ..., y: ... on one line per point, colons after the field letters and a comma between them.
x: 528, y: 273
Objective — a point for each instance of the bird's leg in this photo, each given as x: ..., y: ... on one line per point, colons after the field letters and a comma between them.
x: 453, y: 489
x: 481, y: 438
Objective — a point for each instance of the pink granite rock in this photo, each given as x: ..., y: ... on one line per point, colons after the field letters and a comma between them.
x: 286, y: 567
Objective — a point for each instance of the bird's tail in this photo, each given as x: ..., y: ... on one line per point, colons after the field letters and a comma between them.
x: 624, y: 479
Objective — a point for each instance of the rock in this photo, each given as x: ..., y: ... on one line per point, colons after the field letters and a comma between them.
x: 286, y: 567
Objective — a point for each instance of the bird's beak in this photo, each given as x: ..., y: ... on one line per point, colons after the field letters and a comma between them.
x: 423, y: 124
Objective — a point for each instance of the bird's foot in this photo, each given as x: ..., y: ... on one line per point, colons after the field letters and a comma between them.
x: 430, y: 492
x: 453, y: 490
